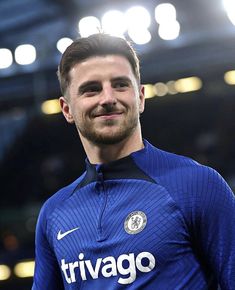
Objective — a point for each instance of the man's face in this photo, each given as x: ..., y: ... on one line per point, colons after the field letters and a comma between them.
x: 104, y: 99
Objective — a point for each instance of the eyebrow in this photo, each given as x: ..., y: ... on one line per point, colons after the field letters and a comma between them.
x: 86, y: 84
x: 121, y: 78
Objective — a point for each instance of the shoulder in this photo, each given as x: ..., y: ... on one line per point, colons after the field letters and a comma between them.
x: 162, y: 164
x: 198, y: 190
x: 182, y: 175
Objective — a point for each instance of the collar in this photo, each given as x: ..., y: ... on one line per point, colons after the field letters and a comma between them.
x: 124, y: 168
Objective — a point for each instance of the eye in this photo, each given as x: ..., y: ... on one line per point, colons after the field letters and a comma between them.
x: 90, y: 89
x: 93, y: 88
x: 121, y: 84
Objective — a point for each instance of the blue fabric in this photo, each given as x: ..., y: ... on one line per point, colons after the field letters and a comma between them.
x: 186, y: 241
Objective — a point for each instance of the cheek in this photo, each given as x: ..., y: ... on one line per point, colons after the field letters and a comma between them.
x: 75, y: 110
x: 137, y: 103
x: 81, y: 109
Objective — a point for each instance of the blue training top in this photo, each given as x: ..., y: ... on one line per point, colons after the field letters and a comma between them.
x: 152, y: 220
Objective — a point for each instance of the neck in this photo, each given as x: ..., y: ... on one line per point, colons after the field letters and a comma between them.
x: 101, y: 153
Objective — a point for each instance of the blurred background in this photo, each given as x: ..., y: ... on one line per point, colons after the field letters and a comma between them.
x: 187, y: 53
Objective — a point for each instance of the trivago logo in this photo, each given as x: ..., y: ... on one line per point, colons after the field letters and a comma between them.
x: 109, y: 267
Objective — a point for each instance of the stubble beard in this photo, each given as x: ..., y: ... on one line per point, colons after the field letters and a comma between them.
x: 110, y: 137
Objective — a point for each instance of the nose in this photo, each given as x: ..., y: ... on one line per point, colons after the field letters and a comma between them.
x: 108, y: 96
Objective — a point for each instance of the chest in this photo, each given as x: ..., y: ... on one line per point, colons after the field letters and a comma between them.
x: 118, y: 217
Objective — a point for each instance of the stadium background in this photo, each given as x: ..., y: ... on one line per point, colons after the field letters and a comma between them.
x: 188, y: 70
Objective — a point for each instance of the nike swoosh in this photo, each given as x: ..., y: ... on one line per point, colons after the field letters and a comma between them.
x: 62, y: 235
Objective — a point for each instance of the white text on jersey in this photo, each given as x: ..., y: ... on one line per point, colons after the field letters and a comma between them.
x: 109, y: 266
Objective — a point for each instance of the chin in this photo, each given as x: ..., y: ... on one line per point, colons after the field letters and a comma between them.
x: 110, y: 135
x: 109, y: 138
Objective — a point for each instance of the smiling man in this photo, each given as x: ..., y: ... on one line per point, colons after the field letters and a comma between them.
x: 139, y: 217
x: 104, y: 100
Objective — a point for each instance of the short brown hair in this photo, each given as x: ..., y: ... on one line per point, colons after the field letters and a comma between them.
x: 95, y: 45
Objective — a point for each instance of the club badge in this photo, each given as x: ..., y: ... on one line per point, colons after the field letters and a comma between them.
x: 135, y: 222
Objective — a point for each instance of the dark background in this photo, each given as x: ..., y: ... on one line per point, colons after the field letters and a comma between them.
x: 41, y: 153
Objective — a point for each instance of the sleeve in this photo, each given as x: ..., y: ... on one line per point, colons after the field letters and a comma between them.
x: 47, y: 272
x: 215, y: 223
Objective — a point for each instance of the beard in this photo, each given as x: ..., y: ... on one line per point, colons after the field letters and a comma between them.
x: 109, y: 132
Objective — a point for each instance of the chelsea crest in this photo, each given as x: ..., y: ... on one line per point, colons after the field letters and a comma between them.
x: 135, y: 222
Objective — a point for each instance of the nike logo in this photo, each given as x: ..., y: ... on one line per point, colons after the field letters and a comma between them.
x: 62, y: 235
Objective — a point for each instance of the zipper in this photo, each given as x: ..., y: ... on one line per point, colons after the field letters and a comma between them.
x: 101, y: 236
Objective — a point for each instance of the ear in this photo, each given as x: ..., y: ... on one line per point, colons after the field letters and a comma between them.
x: 141, y: 99
x: 65, y: 108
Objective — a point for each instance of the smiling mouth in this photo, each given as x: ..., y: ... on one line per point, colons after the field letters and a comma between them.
x: 109, y: 115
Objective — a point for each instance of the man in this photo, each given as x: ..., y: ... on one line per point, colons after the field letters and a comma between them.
x: 139, y: 217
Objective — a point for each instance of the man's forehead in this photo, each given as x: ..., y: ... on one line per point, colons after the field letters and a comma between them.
x: 100, y: 65
x: 109, y: 58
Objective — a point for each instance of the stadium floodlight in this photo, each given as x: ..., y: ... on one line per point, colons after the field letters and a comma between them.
x: 24, y: 269
x: 149, y: 91
x: 63, y: 43
x: 165, y: 12
x: 25, y: 54
x: 231, y: 16
x: 51, y: 107
x: 5, y: 272
x: 229, y: 77
x: 139, y: 36
x: 171, y: 87
x: 161, y: 89
x: 169, y: 31
x: 138, y: 17
x: 89, y: 25
x: 189, y: 84
x: 229, y: 6
x: 114, y: 23
x: 6, y: 58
